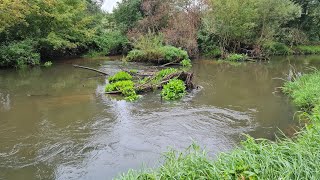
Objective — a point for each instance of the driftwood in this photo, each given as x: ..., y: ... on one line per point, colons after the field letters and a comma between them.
x: 91, y: 69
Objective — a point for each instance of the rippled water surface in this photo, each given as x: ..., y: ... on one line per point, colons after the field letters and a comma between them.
x: 56, y: 123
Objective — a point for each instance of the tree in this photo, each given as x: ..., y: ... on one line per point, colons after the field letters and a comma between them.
x: 246, y: 23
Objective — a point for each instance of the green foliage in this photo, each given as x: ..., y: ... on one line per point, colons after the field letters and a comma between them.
x: 175, y: 89
x: 247, y: 22
x: 149, y: 41
x: 236, y: 57
x: 309, y: 22
x: 186, y: 63
x: 305, y: 90
x: 262, y: 159
x: 47, y: 64
x: 127, y: 13
x: 276, y: 48
x: 215, y: 53
x: 110, y: 42
x: 120, y: 76
x: 164, y: 73
x: 158, y: 55
x: 307, y: 49
x: 126, y: 88
x: 19, y: 54
x: 59, y: 28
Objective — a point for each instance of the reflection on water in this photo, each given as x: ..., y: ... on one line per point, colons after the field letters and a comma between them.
x: 56, y: 123
x: 4, y: 102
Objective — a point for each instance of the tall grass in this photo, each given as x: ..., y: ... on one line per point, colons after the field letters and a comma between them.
x: 305, y: 90
x: 297, y: 158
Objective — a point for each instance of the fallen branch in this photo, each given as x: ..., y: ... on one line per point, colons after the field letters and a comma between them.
x: 170, y: 63
x: 91, y: 69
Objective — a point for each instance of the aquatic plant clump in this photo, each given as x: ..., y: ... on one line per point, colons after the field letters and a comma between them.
x: 120, y: 76
x: 126, y: 88
x: 175, y: 89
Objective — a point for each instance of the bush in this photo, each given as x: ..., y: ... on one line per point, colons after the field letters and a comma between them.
x: 236, y: 57
x: 175, y: 89
x: 111, y: 42
x: 120, y: 76
x: 307, y: 49
x: 158, y: 55
x: 215, y: 52
x: 125, y: 87
x: 19, y: 54
x: 276, y: 48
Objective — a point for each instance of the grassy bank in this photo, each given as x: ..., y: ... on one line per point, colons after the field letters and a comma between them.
x: 297, y: 158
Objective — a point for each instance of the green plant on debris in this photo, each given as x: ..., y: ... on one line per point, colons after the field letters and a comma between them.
x: 175, y: 89
x: 123, y: 83
x: 120, y: 76
x: 125, y: 87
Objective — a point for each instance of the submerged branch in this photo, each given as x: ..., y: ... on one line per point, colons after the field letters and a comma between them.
x: 91, y: 69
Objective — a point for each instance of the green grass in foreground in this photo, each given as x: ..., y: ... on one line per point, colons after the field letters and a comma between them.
x: 297, y: 158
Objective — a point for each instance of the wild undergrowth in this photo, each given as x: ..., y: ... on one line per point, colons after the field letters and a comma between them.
x: 285, y: 158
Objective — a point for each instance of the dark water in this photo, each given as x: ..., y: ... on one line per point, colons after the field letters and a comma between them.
x: 56, y: 123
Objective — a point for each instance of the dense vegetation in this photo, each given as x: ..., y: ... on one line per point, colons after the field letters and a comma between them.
x: 34, y: 31
x: 297, y: 158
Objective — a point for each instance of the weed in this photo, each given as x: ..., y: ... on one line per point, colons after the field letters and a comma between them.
x: 175, y: 89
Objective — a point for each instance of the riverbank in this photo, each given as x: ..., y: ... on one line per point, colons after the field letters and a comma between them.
x: 296, y: 158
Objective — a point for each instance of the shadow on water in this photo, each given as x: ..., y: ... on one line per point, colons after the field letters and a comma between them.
x: 56, y: 123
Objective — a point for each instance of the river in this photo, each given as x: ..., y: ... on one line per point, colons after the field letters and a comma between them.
x: 57, y: 123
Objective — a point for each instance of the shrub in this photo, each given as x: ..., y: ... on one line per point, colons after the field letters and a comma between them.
x: 125, y: 87
x: 175, y: 89
x: 158, y: 55
x: 307, y: 49
x: 110, y: 42
x: 236, y: 57
x: 215, y: 52
x: 19, y: 54
x: 148, y: 41
x: 276, y: 48
x: 120, y: 76
x: 47, y: 64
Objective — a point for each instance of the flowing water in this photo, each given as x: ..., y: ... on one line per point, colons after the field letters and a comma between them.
x: 56, y: 123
